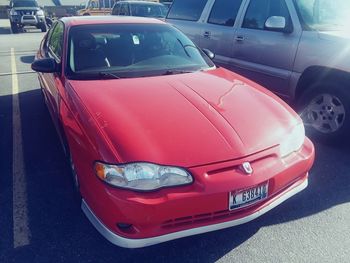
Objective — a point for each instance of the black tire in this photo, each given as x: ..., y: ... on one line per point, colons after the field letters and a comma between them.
x: 73, y: 173
x: 43, y: 27
x: 75, y: 180
x: 325, y: 110
x: 48, y: 22
x: 14, y: 28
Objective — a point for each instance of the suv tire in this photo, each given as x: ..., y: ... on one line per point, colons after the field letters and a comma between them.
x: 43, y: 27
x: 325, y: 110
x: 14, y: 28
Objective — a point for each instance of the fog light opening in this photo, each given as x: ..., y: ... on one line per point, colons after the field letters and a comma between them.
x: 126, y: 228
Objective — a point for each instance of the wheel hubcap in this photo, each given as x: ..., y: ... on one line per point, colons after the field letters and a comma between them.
x: 325, y: 113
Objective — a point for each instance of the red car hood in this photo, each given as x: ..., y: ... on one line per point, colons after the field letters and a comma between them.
x: 186, y: 119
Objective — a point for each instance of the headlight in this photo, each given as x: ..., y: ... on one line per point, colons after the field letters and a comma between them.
x: 40, y: 13
x: 13, y: 12
x: 293, y: 141
x: 142, y: 176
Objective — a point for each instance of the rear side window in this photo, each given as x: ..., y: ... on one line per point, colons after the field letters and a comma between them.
x: 116, y: 9
x: 224, y: 12
x: 260, y: 10
x: 124, y: 9
x: 190, y: 10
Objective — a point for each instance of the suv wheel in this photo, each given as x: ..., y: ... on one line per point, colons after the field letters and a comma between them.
x: 14, y: 28
x: 325, y: 110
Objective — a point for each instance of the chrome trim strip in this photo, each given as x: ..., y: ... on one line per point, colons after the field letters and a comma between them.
x: 137, y: 243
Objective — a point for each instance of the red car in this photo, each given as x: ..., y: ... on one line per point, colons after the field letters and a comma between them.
x: 164, y: 144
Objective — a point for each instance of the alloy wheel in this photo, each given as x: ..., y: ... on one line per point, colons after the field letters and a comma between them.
x: 325, y: 113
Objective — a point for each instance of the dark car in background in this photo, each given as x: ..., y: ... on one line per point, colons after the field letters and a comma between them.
x: 299, y: 49
x: 139, y: 8
x: 26, y: 13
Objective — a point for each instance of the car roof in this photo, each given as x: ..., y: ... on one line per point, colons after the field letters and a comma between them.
x: 93, y: 20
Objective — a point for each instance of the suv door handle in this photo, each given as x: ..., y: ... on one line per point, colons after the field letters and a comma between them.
x: 207, y: 34
x: 239, y: 38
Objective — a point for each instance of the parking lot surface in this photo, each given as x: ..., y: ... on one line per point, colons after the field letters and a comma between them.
x: 40, y: 221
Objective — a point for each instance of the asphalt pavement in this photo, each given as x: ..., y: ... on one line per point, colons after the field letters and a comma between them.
x: 40, y: 221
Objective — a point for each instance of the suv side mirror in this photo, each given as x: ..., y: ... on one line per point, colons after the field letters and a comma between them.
x: 45, y: 65
x: 276, y: 23
x: 210, y: 54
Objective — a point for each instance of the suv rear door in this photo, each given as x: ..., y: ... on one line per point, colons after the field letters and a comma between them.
x: 187, y: 15
x: 263, y: 55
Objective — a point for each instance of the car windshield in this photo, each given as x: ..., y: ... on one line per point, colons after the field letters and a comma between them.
x: 25, y: 4
x: 134, y: 50
x: 148, y: 10
x: 325, y: 14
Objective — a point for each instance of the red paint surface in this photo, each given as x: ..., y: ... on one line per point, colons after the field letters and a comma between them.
x: 208, y: 122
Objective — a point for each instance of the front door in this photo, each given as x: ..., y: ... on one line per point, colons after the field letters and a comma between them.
x: 52, y: 81
x: 262, y: 55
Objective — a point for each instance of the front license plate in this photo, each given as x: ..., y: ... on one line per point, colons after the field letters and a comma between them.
x: 247, y: 197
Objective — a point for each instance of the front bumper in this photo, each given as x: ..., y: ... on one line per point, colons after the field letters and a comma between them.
x: 201, y: 207
x: 144, y: 242
x: 28, y: 20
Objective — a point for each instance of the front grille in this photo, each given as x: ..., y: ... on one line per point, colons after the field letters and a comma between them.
x: 23, y: 13
x: 218, y: 215
x: 196, y: 219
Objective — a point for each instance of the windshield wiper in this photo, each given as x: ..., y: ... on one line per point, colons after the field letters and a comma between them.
x: 104, y: 74
x: 176, y: 71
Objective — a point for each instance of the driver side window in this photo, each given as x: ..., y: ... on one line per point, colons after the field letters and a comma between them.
x: 55, y: 42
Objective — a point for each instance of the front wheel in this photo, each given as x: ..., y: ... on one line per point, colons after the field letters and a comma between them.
x: 75, y: 179
x: 14, y: 28
x: 43, y: 27
x: 325, y: 110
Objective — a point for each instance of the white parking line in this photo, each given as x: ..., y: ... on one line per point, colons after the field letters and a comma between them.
x: 17, y: 73
x: 21, y: 232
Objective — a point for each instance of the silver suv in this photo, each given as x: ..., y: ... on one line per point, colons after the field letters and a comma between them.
x: 299, y: 49
x: 26, y: 13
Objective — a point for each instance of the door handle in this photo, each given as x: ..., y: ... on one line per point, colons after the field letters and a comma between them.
x: 239, y: 38
x: 207, y: 34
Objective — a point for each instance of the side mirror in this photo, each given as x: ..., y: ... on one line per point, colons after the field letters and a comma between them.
x: 45, y: 65
x: 210, y: 54
x: 276, y: 23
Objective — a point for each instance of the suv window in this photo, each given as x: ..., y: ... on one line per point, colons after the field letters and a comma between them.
x: 190, y: 10
x: 107, y: 3
x: 56, y: 41
x: 260, y: 10
x: 116, y: 9
x: 25, y: 3
x: 224, y: 12
x: 124, y: 10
